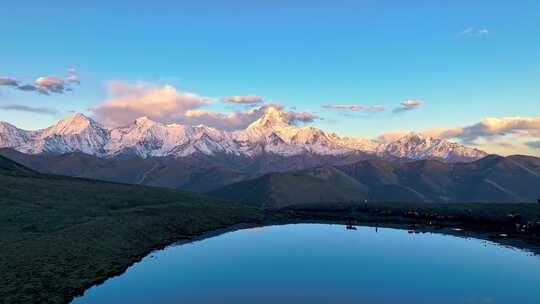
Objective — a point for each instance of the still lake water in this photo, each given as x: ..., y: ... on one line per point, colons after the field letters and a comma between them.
x: 321, y: 263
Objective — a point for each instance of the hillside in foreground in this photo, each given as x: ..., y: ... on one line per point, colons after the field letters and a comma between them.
x: 60, y: 234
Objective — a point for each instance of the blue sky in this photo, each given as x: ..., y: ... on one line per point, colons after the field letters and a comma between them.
x: 465, y: 60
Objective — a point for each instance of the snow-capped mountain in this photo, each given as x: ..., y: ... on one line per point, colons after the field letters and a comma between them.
x: 271, y: 134
x: 11, y: 136
x: 415, y: 146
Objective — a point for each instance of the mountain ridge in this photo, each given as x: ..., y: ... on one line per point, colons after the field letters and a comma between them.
x: 493, y: 179
x: 272, y: 133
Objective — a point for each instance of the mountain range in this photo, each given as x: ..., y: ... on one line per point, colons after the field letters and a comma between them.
x: 271, y: 134
x: 273, y: 163
x: 201, y: 158
x: 493, y: 179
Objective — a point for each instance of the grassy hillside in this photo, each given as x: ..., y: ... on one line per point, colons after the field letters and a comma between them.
x: 278, y: 190
x: 61, y: 235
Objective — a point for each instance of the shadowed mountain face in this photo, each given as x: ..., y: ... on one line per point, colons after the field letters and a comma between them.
x: 494, y: 179
x: 277, y: 181
x: 198, y: 172
x: 491, y: 179
x: 276, y: 190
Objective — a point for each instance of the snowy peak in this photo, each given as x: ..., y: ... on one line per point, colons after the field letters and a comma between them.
x: 76, y: 133
x: 272, y: 134
x: 272, y: 118
x: 11, y: 136
x: 411, y: 142
x: 73, y: 124
x: 416, y: 146
x: 145, y: 121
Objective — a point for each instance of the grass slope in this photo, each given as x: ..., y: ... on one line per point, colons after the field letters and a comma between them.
x: 61, y: 235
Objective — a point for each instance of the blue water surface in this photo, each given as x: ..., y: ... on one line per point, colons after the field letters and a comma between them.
x: 322, y: 263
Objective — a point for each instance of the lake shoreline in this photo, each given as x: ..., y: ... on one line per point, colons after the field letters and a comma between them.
x: 139, y: 257
x: 509, y: 241
x: 493, y: 228
x: 178, y: 234
x: 276, y: 219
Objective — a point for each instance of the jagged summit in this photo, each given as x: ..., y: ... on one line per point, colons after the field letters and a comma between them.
x: 73, y: 124
x: 417, y: 146
x: 271, y: 134
x: 145, y: 120
x: 272, y: 118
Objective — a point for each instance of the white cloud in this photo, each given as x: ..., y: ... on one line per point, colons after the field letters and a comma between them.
x: 507, y: 135
x: 492, y: 127
x: 43, y: 85
x: 129, y: 101
x: 487, y: 128
x: 51, y: 84
x: 301, y: 117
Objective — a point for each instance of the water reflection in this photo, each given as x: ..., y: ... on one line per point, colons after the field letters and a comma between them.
x: 320, y: 263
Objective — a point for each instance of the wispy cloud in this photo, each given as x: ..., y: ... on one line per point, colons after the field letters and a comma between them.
x: 243, y: 99
x: 73, y: 79
x: 45, y: 84
x: 7, y: 81
x: 488, y: 128
x: 51, y: 84
x: 409, y: 105
x: 507, y: 135
x: 354, y: 107
x: 302, y: 117
x: 493, y: 127
x: 32, y: 88
x: 473, y: 32
x: 36, y: 110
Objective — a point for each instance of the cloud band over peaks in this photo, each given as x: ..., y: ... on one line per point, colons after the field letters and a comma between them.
x: 164, y: 103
